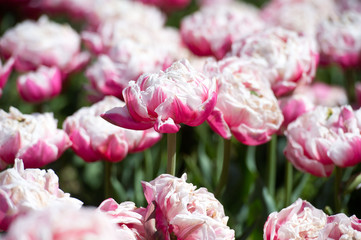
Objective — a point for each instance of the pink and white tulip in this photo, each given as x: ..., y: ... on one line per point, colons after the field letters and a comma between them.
x: 212, y: 30
x: 5, y: 71
x: 95, y: 139
x: 246, y: 106
x: 324, y: 137
x: 301, y: 220
x: 41, y: 85
x: 167, y: 5
x: 24, y: 190
x: 165, y: 100
x: 65, y: 223
x: 340, y: 226
x: 290, y: 60
x: 33, y: 138
x: 184, y: 212
x: 33, y: 44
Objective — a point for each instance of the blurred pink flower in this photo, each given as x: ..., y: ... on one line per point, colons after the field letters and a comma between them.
x: 64, y: 223
x: 345, y: 5
x: 166, y: 99
x: 339, y: 39
x: 43, y: 84
x: 212, y: 30
x: 324, y: 137
x: 128, y: 217
x: 24, y: 190
x: 290, y: 60
x: 167, y: 5
x: 184, y: 212
x: 301, y: 220
x: 246, y: 106
x: 33, y: 138
x: 33, y: 44
x: 340, y: 226
x: 5, y: 71
x: 95, y: 139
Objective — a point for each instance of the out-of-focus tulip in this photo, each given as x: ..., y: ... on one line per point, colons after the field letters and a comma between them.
x: 41, y: 85
x: 290, y: 60
x: 166, y: 99
x: 5, y: 71
x: 64, y: 223
x: 33, y: 44
x: 246, y: 106
x: 33, y: 138
x: 301, y: 220
x: 184, y: 212
x: 95, y: 139
x: 324, y: 137
x: 128, y: 217
x: 23, y: 190
x: 167, y: 5
x: 339, y: 39
x: 340, y: 226
x: 212, y: 30
x: 346, y: 5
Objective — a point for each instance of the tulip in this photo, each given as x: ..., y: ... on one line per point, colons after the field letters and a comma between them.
x: 167, y: 5
x: 24, y: 190
x: 5, y: 71
x: 166, y: 99
x: 95, y: 139
x: 246, y: 106
x: 41, y: 85
x: 290, y: 60
x: 212, y: 30
x: 33, y: 138
x: 340, y: 226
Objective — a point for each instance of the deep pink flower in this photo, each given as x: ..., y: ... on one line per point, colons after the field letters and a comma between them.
x: 339, y: 39
x: 23, y: 190
x: 166, y: 99
x: 246, y: 106
x: 33, y: 138
x: 95, y: 139
x: 290, y: 60
x: 43, y: 84
x: 65, y: 223
x: 212, y: 30
x: 182, y: 211
x: 128, y: 217
x: 33, y: 44
x: 340, y: 226
x: 324, y: 137
x: 301, y: 220
x: 5, y: 71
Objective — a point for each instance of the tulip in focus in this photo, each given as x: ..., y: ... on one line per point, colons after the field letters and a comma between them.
x: 246, y: 106
x: 24, y: 190
x: 290, y: 60
x: 33, y: 138
x: 340, y: 226
x: 166, y: 99
x: 95, y: 139
x: 41, y: 85
x: 5, y: 71
x: 183, y: 212
x: 65, y: 223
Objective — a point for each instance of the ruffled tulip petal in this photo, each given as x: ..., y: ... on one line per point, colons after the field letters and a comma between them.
x: 166, y: 126
x: 81, y: 145
x: 218, y: 124
x: 346, y: 153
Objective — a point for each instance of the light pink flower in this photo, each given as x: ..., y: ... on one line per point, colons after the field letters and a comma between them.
x: 43, y: 84
x: 212, y: 30
x: 128, y: 217
x: 339, y: 39
x: 166, y: 99
x: 33, y: 44
x: 95, y: 139
x: 324, y: 137
x: 246, y: 106
x: 341, y: 227
x: 167, y: 5
x: 23, y: 190
x: 33, y: 138
x: 346, y: 5
x: 301, y: 220
x: 185, y: 212
x: 5, y: 71
x: 290, y: 60
x: 64, y: 223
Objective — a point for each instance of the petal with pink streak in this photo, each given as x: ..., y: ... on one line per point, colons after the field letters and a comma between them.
x: 114, y: 149
x: 10, y: 148
x: 346, y: 153
x: 78, y: 61
x: 5, y: 71
x: 218, y: 124
x: 250, y: 136
x: 120, y: 116
x: 150, y: 137
x: 39, y: 154
x: 82, y: 146
x: 166, y: 126
x: 136, y: 107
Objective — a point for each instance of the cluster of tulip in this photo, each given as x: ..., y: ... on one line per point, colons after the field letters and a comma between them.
x: 250, y: 73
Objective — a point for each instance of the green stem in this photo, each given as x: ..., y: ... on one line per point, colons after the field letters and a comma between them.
x: 225, y: 168
x: 148, y: 165
x: 338, y: 179
x: 289, y: 183
x: 271, y: 165
x: 172, y: 149
x: 107, y: 176
x: 349, y: 81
